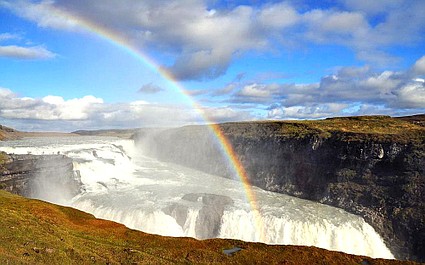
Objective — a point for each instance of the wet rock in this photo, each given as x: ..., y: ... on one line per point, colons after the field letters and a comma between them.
x: 208, y: 222
x: 231, y: 251
x: 33, y: 175
x: 211, y: 211
x: 178, y: 212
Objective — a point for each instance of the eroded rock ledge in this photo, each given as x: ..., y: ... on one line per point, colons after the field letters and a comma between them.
x: 33, y: 175
x: 369, y: 166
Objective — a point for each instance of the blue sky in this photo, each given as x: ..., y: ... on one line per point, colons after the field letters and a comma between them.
x: 239, y: 60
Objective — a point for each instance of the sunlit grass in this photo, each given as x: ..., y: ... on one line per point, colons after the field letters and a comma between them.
x: 363, y: 128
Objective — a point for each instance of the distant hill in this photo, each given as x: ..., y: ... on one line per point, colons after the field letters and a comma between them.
x: 8, y: 133
x: 416, y: 119
x: 123, y: 133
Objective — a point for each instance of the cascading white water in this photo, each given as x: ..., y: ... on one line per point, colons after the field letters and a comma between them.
x: 161, y: 198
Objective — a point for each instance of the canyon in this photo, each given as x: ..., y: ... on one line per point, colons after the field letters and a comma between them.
x: 371, y: 166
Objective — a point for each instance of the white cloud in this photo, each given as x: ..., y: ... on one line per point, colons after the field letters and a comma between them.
x: 89, y: 112
x: 411, y: 95
x: 43, y: 13
x: 8, y: 36
x: 310, y: 111
x: 335, y: 22
x: 5, y: 92
x: 376, y: 57
x: 205, y: 64
x: 255, y: 90
x: 22, y: 52
x: 47, y: 108
x: 226, y: 114
x: 73, y: 109
x: 203, y: 42
x: 35, y: 52
x: 403, y: 23
x: 383, y: 83
x: 54, y: 100
x: 372, y: 7
x: 368, y: 28
x: 419, y: 66
x: 278, y: 16
x: 341, y: 94
x: 229, y: 88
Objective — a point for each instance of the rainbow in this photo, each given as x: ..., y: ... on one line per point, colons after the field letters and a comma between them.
x: 227, y: 149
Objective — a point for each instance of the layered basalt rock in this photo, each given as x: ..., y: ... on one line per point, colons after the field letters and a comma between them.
x: 369, y: 166
x: 39, y: 176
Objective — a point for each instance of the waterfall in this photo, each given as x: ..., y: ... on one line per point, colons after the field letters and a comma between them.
x: 161, y: 198
x: 353, y: 236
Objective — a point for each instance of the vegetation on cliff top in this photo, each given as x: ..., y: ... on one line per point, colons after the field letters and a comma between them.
x: 403, y: 129
x: 36, y: 232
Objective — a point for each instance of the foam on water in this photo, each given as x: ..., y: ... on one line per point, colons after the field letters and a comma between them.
x: 124, y: 186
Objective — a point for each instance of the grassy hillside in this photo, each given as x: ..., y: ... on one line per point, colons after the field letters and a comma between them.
x: 8, y: 133
x: 35, y: 232
x: 404, y: 129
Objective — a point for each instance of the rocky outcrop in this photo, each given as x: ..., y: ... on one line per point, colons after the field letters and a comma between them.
x: 208, y: 221
x: 42, y: 177
x: 372, y: 167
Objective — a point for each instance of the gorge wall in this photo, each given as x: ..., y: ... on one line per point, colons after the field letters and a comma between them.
x: 31, y: 175
x: 369, y: 166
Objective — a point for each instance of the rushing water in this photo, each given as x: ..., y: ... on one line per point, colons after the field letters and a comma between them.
x: 123, y: 185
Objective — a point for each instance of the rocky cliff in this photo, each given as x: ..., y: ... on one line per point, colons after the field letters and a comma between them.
x: 39, y: 176
x: 370, y: 166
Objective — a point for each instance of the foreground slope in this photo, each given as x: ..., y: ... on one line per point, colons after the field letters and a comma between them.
x: 36, y: 232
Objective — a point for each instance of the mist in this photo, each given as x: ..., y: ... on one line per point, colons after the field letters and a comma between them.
x: 193, y: 146
x: 131, y: 182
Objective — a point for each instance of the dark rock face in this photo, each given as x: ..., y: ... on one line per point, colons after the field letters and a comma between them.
x: 42, y: 177
x: 383, y: 182
x: 379, y: 178
x: 208, y: 222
